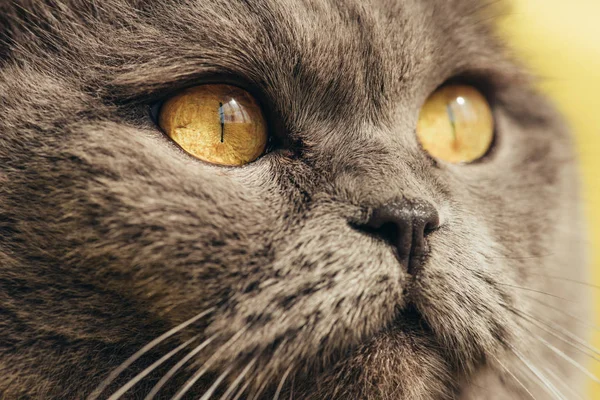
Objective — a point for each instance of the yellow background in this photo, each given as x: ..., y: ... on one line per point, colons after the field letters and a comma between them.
x: 560, y: 40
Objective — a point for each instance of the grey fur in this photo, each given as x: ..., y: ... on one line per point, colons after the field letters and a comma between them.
x: 110, y: 235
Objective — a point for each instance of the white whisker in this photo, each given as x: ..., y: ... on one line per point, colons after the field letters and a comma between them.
x: 575, y: 317
x: 547, y: 385
x: 581, y: 349
x: 241, y: 391
x: 560, y: 278
x: 206, y: 366
x: 216, y: 384
x: 558, y: 330
x: 148, y: 370
x: 260, y: 389
x: 292, y: 388
x: 177, y: 367
x: 237, y: 380
x: 117, y: 371
x: 280, y: 387
x: 535, y: 291
x: 570, y: 360
x: 563, y: 383
x: 515, y: 378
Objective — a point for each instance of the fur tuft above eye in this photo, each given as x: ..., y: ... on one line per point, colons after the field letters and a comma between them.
x: 217, y: 123
x: 456, y: 124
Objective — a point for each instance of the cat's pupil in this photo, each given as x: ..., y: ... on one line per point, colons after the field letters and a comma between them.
x: 222, y: 119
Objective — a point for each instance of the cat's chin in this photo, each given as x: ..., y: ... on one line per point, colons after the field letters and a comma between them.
x: 402, y: 361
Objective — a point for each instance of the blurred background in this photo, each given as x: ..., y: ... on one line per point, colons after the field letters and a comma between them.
x: 560, y: 41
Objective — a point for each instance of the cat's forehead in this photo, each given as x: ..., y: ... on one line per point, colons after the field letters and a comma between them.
x: 327, y: 57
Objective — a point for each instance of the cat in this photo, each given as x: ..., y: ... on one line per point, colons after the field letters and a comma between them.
x: 130, y: 269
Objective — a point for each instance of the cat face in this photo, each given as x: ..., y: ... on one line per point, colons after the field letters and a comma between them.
x: 112, y: 235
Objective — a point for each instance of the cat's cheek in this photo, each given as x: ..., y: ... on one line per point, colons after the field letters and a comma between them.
x: 464, y: 292
x: 323, y: 293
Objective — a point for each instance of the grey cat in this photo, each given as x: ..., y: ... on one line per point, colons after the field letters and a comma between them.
x: 121, y: 253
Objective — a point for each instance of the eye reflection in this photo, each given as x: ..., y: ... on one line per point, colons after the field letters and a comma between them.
x: 232, y: 112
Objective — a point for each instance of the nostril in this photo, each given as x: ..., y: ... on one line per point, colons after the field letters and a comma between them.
x: 389, y: 232
x: 430, y: 227
x: 432, y: 223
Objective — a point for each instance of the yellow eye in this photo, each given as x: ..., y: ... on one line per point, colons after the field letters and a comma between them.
x: 456, y: 124
x: 219, y: 124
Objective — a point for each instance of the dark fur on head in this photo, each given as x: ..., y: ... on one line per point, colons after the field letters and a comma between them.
x: 110, y: 235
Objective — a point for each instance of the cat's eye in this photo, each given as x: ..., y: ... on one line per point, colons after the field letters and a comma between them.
x: 456, y: 124
x: 217, y: 123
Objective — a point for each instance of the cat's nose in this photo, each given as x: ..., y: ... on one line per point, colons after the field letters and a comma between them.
x: 405, y: 224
